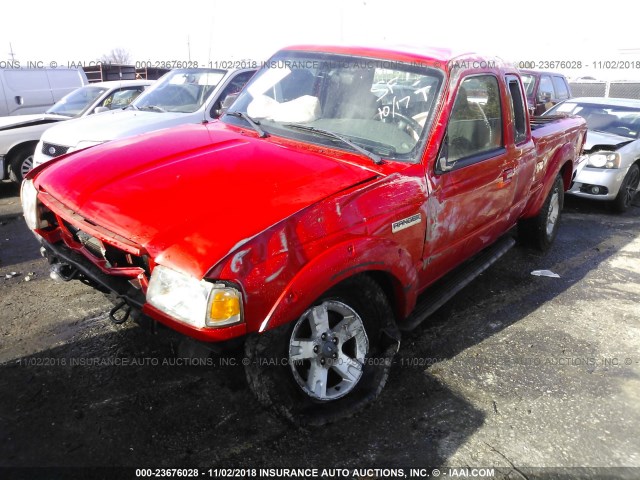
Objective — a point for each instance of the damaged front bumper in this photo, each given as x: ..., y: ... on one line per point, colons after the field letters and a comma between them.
x: 67, y: 264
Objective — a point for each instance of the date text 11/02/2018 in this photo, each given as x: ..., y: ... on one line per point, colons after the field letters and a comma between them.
x: 466, y: 472
x: 578, y: 64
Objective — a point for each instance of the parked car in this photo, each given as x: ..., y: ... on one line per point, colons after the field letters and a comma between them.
x: 544, y: 90
x: 181, y: 96
x: 612, y: 170
x: 33, y: 90
x: 19, y: 135
x: 312, y: 215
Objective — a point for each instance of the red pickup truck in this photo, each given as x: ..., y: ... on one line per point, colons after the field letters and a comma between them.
x: 343, y: 197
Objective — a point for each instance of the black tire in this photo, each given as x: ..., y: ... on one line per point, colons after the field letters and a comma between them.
x: 278, y: 382
x: 628, y: 190
x: 540, y: 231
x: 21, y: 163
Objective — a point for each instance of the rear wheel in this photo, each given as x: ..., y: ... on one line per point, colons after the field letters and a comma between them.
x: 541, y: 230
x: 628, y: 190
x: 21, y: 163
x: 332, y: 361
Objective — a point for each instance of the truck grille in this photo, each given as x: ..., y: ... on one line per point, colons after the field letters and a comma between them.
x: 114, y: 257
x: 52, y: 150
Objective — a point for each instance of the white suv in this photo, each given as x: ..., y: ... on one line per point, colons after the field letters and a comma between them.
x: 181, y: 96
x: 19, y: 134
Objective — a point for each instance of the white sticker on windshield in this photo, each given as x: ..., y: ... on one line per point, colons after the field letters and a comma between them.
x: 267, y: 80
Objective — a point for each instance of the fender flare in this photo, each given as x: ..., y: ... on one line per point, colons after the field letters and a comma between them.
x: 558, y: 163
x: 340, y: 262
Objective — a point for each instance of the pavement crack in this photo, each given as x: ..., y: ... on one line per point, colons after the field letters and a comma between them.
x: 516, y: 469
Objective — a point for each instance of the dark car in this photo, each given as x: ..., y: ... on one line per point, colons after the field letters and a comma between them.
x: 544, y: 90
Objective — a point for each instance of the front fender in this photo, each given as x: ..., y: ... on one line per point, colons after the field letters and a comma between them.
x: 342, y: 261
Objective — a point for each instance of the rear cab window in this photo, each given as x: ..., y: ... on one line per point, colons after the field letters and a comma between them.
x: 545, y: 91
x: 561, y: 88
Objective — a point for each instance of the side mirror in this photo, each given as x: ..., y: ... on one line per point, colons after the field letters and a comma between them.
x: 226, y: 103
x: 444, y: 165
x: 100, y: 109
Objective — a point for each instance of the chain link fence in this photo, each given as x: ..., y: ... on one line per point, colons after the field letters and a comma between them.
x: 606, y: 89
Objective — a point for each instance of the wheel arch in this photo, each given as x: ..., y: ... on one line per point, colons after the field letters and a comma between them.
x: 15, y: 149
x: 387, y: 263
x: 561, y: 163
x: 568, y: 174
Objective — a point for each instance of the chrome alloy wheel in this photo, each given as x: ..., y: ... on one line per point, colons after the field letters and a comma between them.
x: 27, y: 164
x: 327, y: 350
x: 631, y: 187
x: 554, y: 212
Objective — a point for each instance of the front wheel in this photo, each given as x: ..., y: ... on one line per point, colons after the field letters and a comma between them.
x: 628, y: 189
x: 330, y: 362
x: 21, y: 163
x: 541, y: 230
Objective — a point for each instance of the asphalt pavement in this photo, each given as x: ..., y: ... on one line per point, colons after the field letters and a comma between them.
x: 531, y: 376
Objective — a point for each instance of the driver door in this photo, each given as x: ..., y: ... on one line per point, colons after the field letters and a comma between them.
x: 473, y: 187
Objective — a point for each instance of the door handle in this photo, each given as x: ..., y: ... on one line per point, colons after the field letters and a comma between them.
x: 507, y: 174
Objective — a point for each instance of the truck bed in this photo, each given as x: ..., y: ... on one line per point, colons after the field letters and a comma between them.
x: 539, y: 121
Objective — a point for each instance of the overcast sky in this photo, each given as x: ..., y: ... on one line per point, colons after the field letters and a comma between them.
x: 206, y: 30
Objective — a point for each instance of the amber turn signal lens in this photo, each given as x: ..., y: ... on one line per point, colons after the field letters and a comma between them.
x: 224, y: 307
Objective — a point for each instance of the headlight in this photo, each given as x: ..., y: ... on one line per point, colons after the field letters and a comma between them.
x: 82, y: 145
x: 196, y: 302
x: 604, y: 160
x: 31, y: 206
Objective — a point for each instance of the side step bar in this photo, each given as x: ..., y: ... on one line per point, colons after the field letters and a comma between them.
x: 443, y: 290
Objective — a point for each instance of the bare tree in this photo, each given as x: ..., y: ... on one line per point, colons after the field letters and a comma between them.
x: 118, y: 55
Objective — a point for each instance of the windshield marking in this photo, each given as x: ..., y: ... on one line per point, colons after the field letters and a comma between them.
x: 384, y: 107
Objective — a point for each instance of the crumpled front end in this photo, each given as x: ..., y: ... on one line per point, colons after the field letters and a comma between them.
x: 77, y: 249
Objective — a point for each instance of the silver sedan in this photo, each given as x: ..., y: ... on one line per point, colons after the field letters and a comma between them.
x: 612, y: 169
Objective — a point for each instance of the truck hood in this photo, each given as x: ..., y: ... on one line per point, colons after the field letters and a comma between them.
x: 116, y: 124
x: 596, y: 139
x: 193, y: 194
x: 9, y: 123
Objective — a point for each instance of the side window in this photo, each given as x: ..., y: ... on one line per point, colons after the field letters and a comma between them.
x: 518, y: 109
x: 475, y: 125
x: 545, y: 90
x: 560, y: 85
x: 122, y: 98
x: 233, y: 88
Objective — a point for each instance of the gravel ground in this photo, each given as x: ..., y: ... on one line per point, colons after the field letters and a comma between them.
x: 534, y: 377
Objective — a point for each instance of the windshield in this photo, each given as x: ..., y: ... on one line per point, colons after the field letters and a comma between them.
x: 180, y: 90
x: 381, y: 106
x: 75, y: 103
x: 529, y: 82
x: 618, y: 120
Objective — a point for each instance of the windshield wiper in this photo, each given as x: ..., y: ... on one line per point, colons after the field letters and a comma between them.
x: 152, y: 107
x: 376, y: 158
x: 254, y: 123
x: 131, y: 105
